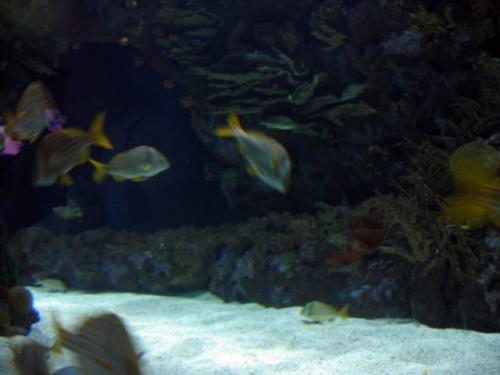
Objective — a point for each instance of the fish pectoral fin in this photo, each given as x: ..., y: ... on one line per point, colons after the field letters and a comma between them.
x: 118, y: 178
x: 251, y: 170
x: 65, y: 180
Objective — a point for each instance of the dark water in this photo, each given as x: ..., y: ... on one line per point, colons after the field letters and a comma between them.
x: 139, y: 110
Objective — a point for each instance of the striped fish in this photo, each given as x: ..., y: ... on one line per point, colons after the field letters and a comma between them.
x: 61, y: 151
x: 102, y: 346
x: 136, y: 164
x: 267, y: 158
x: 30, y: 118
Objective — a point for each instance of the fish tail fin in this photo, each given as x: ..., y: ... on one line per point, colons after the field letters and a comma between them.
x: 100, y: 171
x: 234, y: 127
x: 344, y: 312
x: 57, y: 346
x: 65, y: 180
x: 471, y: 210
x: 96, y: 131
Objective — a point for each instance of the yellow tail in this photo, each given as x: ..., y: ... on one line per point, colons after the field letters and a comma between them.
x: 234, y: 127
x: 344, y: 312
x: 476, y: 199
x: 97, y: 134
x: 100, y: 171
x: 57, y: 346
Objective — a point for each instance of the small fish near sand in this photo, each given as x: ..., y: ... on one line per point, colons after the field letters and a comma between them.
x: 30, y: 118
x: 51, y: 285
x: 68, y: 212
x: 137, y: 164
x: 319, y: 312
x: 59, y: 152
x: 102, y: 346
x: 267, y: 158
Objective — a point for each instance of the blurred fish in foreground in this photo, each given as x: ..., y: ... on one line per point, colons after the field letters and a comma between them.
x: 475, y: 167
x: 30, y: 119
x: 102, y: 346
x: 136, y: 164
x: 59, y: 152
x: 30, y: 358
x: 267, y: 159
x: 317, y: 311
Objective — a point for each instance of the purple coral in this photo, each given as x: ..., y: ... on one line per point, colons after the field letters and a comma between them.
x: 10, y: 147
x: 55, y: 119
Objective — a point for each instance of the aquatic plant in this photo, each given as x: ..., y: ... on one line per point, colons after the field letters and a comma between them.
x: 321, y: 22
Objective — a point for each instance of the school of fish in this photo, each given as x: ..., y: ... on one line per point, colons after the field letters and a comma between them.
x: 65, y: 148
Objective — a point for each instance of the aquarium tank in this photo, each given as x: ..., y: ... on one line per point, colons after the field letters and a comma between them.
x: 249, y: 187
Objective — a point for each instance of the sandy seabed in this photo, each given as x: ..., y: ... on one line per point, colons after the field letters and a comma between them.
x: 203, y: 335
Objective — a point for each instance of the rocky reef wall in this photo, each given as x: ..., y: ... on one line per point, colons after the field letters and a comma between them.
x: 280, y: 260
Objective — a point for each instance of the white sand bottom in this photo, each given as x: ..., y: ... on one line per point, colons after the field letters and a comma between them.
x: 203, y: 335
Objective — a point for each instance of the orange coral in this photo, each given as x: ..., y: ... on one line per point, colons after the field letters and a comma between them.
x: 367, y: 232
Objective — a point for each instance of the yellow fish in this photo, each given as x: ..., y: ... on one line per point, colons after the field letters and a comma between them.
x: 136, y: 164
x: 61, y: 151
x: 475, y: 167
x: 102, y: 346
x: 267, y: 158
x: 30, y: 118
x: 319, y: 311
